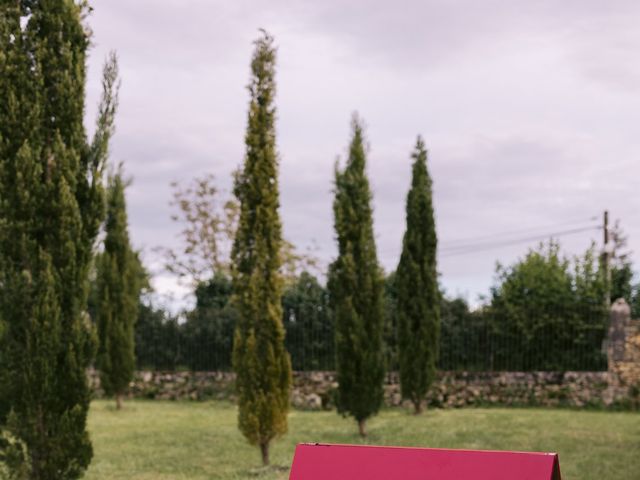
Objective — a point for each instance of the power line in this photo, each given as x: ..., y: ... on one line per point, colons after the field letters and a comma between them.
x: 466, y: 249
x: 521, y: 231
x: 472, y: 242
x: 476, y: 243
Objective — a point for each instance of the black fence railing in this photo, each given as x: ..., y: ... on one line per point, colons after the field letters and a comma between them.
x: 547, y: 340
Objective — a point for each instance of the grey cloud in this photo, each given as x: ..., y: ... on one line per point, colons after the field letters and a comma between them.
x: 529, y: 111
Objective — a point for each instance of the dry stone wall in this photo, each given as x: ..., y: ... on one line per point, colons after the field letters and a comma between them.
x: 316, y: 390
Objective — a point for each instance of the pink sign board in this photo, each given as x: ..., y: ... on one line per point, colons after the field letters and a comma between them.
x: 355, y: 462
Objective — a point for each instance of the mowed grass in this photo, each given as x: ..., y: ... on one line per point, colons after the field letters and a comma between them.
x: 188, y: 440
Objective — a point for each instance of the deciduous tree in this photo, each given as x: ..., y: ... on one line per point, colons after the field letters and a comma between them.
x: 547, y: 314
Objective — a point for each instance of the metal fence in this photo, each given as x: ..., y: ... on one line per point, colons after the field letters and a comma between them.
x: 548, y: 340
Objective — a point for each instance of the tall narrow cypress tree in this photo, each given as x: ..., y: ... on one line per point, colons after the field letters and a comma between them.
x: 117, y: 295
x: 418, y: 310
x: 261, y: 363
x: 356, y: 290
x: 51, y: 206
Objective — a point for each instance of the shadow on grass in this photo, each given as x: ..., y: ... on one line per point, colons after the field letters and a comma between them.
x: 269, y: 469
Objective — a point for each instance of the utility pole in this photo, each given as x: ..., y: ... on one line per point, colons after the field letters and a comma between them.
x: 607, y: 261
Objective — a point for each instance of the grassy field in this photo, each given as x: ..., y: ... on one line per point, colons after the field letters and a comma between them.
x: 181, y: 440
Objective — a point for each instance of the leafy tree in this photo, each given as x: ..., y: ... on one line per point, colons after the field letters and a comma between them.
x: 209, y: 219
x: 208, y: 331
x: 356, y: 288
x: 209, y: 222
x: 158, y: 337
x: 261, y: 363
x: 621, y: 266
x: 118, y: 295
x: 296, y: 263
x: 308, y: 323
x: 51, y: 208
x: 465, y: 337
x: 546, y: 315
x: 207, y: 335
x: 417, y: 288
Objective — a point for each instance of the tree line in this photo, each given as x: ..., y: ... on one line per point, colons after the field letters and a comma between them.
x: 471, y: 339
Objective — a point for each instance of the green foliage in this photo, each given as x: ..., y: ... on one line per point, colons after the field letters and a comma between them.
x: 158, y: 337
x: 621, y: 282
x: 391, y: 322
x: 262, y: 364
x: 465, y: 336
x: 208, y: 331
x: 14, y: 457
x: 543, y: 311
x: 418, y: 298
x: 309, y: 324
x: 117, y: 294
x: 51, y: 207
x: 204, y: 341
x: 5, y: 404
x: 356, y: 288
x: 621, y: 267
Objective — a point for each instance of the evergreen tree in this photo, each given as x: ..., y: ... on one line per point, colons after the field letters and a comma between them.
x: 261, y: 363
x: 117, y: 295
x: 356, y: 288
x: 51, y: 207
x: 418, y: 299
x: 391, y: 321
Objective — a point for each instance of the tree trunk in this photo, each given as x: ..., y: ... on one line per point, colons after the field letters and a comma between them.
x: 264, y: 450
x: 118, y: 401
x: 362, y: 428
x: 417, y: 405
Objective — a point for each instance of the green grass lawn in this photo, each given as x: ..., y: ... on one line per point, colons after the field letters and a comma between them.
x: 183, y: 440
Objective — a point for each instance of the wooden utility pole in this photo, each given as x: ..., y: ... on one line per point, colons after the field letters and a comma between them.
x: 607, y: 261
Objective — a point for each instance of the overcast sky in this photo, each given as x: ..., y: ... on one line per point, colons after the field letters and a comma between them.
x: 530, y: 111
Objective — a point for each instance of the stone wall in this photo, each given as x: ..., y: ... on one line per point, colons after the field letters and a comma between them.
x: 315, y: 390
x: 623, y: 345
x: 627, y: 369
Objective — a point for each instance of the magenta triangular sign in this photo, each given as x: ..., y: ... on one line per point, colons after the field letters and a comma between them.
x: 356, y: 462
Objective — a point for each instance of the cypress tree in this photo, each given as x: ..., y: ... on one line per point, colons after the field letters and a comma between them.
x: 51, y: 206
x: 356, y: 290
x: 261, y: 363
x: 418, y: 299
x: 118, y: 292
